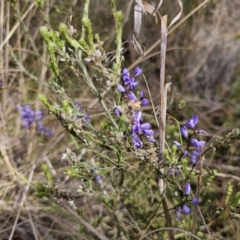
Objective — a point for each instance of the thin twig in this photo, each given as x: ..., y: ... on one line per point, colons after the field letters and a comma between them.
x: 162, y: 122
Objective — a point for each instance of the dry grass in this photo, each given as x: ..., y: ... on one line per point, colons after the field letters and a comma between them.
x: 202, y: 61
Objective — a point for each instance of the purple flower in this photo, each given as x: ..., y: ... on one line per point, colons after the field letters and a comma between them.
x: 120, y: 88
x: 126, y: 74
x: 117, y: 112
x: 187, y: 189
x: 144, y: 101
x: 197, y: 143
x: 148, y: 132
x: 185, y: 153
x: 87, y: 118
x: 177, y: 144
x: 137, y: 117
x: 38, y: 115
x: 128, y: 81
x: 132, y: 96
x: 45, y: 131
x: 137, y: 71
x: 192, y: 122
x: 132, y: 84
x: 184, y: 131
x: 98, y: 178
x: 178, y: 212
x: 195, y: 154
x: 195, y: 201
x: 186, y: 210
x: 142, y: 129
x: 27, y: 115
x: 137, y: 143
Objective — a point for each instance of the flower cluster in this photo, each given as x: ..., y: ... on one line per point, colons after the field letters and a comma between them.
x: 191, y: 141
x: 139, y: 128
x: 197, y: 146
x: 184, y: 207
x: 28, y: 117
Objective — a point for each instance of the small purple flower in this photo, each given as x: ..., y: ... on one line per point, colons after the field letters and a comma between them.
x: 185, y: 153
x: 148, y: 132
x: 87, y: 118
x: 27, y: 115
x: 117, y: 112
x: 137, y: 71
x: 194, y: 142
x: 48, y: 132
x: 187, y: 189
x: 126, y: 74
x: 38, y: 115
x: 186, y: 210
x: 201, y: 131
x: 120, y: 88
x: 197, y: 143
x: 137, y: 117
x: 177, y: 144
x: 151, y: 139
x: 132, y: 96
x: 192, y: 122
x: 144, y: 101
x: 195, y: 201
x: 132, y: 84
x: 137, y: 143
x: 45, y: 131
x: 195, y: 154
x: 178, y: 212
x: 184, y: 131
x: 98, y: 178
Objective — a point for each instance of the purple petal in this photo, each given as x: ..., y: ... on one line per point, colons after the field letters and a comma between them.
x: 137, y: 117
x: 141, y: 95
x: 194, y: 142
x: 126, y: 74
x: 87, y: 118
x: 186, y: 209
x: 38, y: 115
x: 201, y: 144
x: 184, y: 132
x: 137, y: 71
x: 145, y: 126
x: 151, y: 139
x: 98, y: 178
x: 120, y: 88
x: 148, y: 133
x: 137, y: 143
x: 192, y: 122
x: 195, y: 201
x: 136, y: 128
x: 117, y: 112
x: 144, y: 102
x: 177, y: 144
x: 178, y: 212
x: 132, y: 96
x: 187, y: 189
